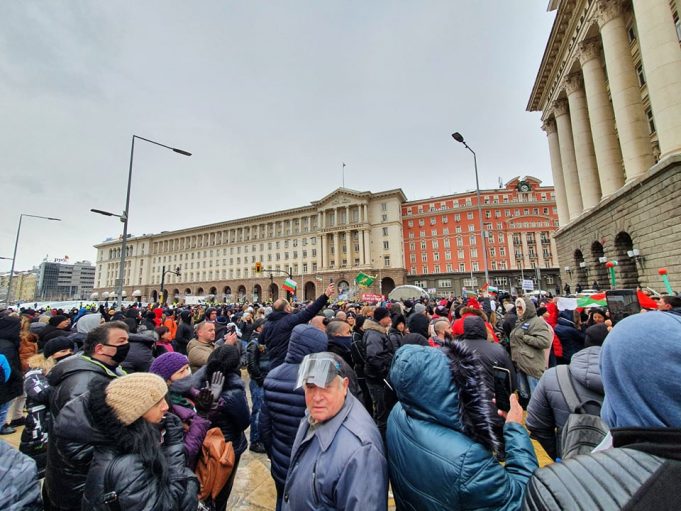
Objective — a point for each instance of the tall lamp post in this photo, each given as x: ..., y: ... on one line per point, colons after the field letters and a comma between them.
x: 164, y: 272
x: 126, y: 213
x: 459, y: 138
x: 16, y: 244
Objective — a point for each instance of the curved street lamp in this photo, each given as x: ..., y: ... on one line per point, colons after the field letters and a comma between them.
x: 126, y: 212
x: 459, y: 138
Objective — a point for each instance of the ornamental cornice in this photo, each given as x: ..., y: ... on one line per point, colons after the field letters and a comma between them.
x: 589, y: 49
x: 573, y: 83
x: 607, y: 10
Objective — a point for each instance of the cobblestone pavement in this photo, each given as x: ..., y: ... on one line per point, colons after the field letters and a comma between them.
x: 253, y: 488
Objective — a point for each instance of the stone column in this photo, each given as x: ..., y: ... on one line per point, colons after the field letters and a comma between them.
x: 606, y: 145
x: 348, y: 248
x: 360, y: 236
x: 365, y: 209
x: 347, y: 215
x: 367, y: 247
x: 567, y: 158
x: 632, y: 124
x: 336, y: 250
x: 549, y: 127
x: 662, y: 62
x: 584, y: 146
x: 322, y: 256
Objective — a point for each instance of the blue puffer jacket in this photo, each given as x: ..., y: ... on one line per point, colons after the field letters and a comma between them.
x: 570, y: 337
x: 283, y: 407
x: 435, y: 465
x: 232, y: 414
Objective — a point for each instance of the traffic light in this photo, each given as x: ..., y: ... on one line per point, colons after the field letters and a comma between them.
x: 258, y: 267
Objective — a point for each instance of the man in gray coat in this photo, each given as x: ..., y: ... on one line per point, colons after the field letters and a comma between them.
x: 338, y: 461
x: 548, y: 409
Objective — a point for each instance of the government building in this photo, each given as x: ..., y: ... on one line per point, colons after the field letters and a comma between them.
x: 609, y: 91
x: 443, y: 248
x: 336, y: 237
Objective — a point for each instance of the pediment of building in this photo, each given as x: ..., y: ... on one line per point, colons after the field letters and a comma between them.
x: 342, y: 197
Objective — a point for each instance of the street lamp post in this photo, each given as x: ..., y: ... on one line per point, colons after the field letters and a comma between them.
x: 16, y: 244
x: 125, y: 216
x: 459, y: 138
x: 176, y: 271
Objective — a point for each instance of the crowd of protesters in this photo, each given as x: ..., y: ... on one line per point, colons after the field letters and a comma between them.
x: 435, y: 400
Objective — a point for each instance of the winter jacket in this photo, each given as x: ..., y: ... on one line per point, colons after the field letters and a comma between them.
x: 531, y: 336
x: 141, y: 355
x: 379, y: 351
x: 196, y: 428
x: 343, y: 348
x: 51, y: 332
x: 184, y: 334
x: 279, y: 325
x: 433, y: 463
x: 19, y: 485
x: 231, y: 413
x: 570, y: 337
x: 641, y: 473
x: 341, y: 465
x: 418, y: 323
x: 85, y: 325
x: 198, y: 353
x: 258, y: 360
x: 28, y: 347
x: 39, y: 420
x: 171, y: 325
x: 548, y: 409
x: 118, y: 467
x: 9, y: 347
x: 284, y: 406
x: 70, y: 447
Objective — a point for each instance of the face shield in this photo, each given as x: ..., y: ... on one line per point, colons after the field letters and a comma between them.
x: 318, y: 369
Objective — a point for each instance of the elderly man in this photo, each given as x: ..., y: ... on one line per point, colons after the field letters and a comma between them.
x: 338, y: 461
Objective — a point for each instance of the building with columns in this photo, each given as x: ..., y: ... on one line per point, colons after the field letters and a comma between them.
x: 443, y: 248
x: 335, y: 237
x: 609, y: 90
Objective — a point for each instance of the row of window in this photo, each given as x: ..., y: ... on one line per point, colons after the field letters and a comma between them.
x: 487, y: 199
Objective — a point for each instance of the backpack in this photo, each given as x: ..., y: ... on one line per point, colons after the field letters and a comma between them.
x: 583, y: 430
x: 215, y: 464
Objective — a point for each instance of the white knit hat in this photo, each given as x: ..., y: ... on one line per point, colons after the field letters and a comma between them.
x: 133, y: 395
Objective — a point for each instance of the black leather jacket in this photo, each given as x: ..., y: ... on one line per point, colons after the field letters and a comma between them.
x: 641, y: 472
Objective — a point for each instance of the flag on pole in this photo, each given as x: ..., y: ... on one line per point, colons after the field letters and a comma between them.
x: 364, y: 280
x: 289, y: 285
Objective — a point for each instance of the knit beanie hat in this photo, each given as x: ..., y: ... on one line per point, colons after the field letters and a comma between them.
x: 168, y: 364
x: 419, y: 308
x: 133, y: 395
x: 57, y: 344
x: 55, y: 320
x: 380, y: 313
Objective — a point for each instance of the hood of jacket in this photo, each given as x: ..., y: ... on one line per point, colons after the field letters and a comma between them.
x: 566, y: 317
x: 88, y: 322
x: 424, y: 380
x: 72, y: 365
x: 639, y: 359
x: 585, y: 368
x: 370, y: 324
x: 474, y: 328
x: 529, y: 309
x: 9, y: 328
x: 305, y: 339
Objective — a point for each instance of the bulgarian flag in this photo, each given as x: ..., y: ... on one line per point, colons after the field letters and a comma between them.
x: 364, y: 280
x: 289, y: 285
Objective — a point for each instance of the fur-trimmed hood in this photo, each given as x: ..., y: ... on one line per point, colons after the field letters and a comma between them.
x: 446, y: 387
x: 370, y: 324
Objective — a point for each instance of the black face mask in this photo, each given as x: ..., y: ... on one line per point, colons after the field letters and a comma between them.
x: 343, y: 340
x: 121, y: 352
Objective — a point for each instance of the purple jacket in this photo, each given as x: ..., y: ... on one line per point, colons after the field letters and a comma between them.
x: 193, y: 438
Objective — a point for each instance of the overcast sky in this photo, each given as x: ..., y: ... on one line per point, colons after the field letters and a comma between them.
x: 271, y: 97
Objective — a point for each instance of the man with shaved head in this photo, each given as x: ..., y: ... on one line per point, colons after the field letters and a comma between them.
x: 282, y: 320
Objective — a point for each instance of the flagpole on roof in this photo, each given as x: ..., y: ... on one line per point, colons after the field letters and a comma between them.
x: 343, y: 174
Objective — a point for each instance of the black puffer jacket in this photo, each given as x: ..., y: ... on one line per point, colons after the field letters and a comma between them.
x: 277, y: 330
x: 379, y: 351
x: 9, y: 346
x: 70, y: 449
x: 231, y: 414
x: 19, y: 485
x: 641, y: 473
x: 283, y: 406
x: 548, y: 409
x: 119, y: 466
x: 185, y: 333
x: 39, y: 420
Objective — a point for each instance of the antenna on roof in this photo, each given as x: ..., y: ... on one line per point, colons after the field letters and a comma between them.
x: 501, y: 185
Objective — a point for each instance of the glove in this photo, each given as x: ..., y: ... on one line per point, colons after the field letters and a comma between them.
x: 204, y: 401
x: 174, y: 433
x: 216, y: 385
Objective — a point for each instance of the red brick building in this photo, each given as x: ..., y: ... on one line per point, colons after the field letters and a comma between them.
x: 443, y: 246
